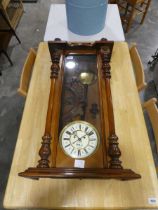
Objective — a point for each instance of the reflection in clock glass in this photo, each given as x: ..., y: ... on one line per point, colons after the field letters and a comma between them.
x: 70, y: 64
x: 87, y: 78
x: 80, y: 91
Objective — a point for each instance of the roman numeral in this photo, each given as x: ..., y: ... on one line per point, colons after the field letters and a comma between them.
x: 72, y: 150
x: 86, y: 128
x: 67, y: 139
x: 92, y: 139
x: 79, y: 152
x: 86, y: 151
x: 80, y: 126
x: 91, y: 146
x: 68, y: 132
x: 72, y: 129
x: 90, y: 133
x: 67, y: 145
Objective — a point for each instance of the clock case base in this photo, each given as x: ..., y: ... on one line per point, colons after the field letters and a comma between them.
x: 80, y: 173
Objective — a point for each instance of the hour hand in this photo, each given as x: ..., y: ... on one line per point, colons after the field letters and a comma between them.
x: 75, y: 141
x: 75, y: 134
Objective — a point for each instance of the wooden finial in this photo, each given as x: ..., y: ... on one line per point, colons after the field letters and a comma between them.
x: 44, y: 152
x: 55, y: 64
x: 104, y: 39
x: 114, y: 152
x: 57, y: 39
x: 105, y: 56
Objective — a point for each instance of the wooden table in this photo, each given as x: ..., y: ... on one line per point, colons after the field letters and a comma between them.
x: 87, y: 194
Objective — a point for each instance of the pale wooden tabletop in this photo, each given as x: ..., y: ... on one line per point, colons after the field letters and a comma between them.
x: 87, y: 194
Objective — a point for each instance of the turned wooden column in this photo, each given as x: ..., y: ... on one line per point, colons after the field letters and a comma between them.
x: 113, y: 149
x: 45, y: 150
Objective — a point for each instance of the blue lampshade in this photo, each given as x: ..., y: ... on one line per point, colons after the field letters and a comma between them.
x: 86, y: 17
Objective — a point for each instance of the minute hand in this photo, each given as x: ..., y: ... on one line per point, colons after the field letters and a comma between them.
x: 75, y: 141
x: 83, y: 136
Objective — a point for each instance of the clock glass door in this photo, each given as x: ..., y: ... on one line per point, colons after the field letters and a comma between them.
x: 80, y: 102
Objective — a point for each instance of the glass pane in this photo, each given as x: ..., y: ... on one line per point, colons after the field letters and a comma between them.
x: 80, y: 94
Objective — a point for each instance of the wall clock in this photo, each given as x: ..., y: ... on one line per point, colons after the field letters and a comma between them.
x: 80, y: 119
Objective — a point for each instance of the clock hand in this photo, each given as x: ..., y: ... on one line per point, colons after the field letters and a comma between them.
x: 83, y: 136
x: 79, y: 139
x: 75, y: 135
x: 76, y: 141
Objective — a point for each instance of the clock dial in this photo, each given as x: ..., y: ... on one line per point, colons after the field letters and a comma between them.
x: 79, y: 139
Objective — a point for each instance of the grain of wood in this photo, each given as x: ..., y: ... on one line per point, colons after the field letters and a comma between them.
x: 87, y: 194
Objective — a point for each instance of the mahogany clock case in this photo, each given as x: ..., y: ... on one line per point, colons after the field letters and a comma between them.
x: 80, y: 91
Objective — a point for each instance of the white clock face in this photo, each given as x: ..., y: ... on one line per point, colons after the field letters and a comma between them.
x: 79, y: 139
